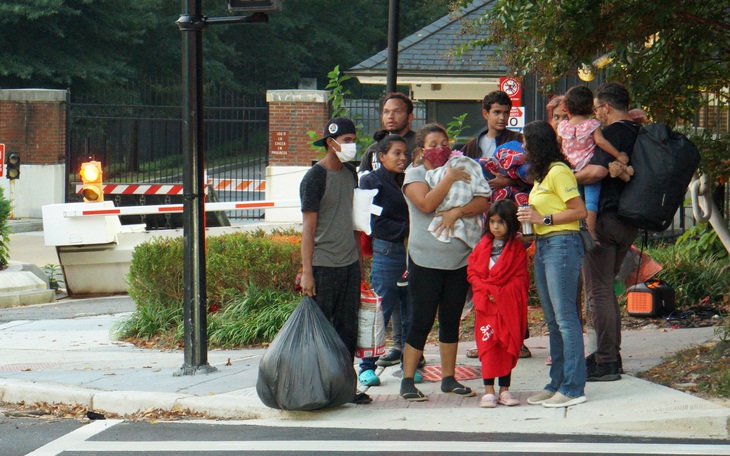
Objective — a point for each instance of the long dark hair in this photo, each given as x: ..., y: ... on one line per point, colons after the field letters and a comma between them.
x: 506, y: 209
x: 541, y: 148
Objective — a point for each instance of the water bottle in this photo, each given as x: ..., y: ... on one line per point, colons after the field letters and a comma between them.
x: 526, y: 226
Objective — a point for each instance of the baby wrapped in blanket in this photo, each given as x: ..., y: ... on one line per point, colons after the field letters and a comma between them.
x: 461, y: 193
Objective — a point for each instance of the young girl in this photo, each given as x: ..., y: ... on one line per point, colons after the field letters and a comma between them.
x: 579, y: 135
x: 497, y: 272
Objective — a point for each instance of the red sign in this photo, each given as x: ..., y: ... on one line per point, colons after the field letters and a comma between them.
x: 279, y: 143
x: 2, y: 159
x: 513, y: 88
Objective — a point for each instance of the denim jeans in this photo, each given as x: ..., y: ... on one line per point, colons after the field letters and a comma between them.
x: 389, y: 262
x: 557, y: 270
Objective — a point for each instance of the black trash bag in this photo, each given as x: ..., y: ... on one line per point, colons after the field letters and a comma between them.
x: 307, y: 366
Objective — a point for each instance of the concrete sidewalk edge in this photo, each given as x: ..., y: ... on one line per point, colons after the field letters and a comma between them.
x: 698, y: 418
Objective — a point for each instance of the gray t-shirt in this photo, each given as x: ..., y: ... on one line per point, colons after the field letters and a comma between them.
x: 329, y: 194
x: 423, y: 247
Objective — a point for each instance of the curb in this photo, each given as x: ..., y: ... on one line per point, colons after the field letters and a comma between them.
x: 697, y: 419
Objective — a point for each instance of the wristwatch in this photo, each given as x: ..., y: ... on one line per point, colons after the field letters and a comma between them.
x: 548, y: 220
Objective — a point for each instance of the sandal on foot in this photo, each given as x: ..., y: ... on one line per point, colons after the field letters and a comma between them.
x: 488, y: 401
x: 506, y: 398
x: 414, y: 396
x: 463, y: 391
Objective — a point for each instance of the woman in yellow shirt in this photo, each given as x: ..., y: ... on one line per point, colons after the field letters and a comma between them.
x: 555, y: 211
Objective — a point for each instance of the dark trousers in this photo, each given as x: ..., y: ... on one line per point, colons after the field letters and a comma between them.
x: 435, y: 291
x: 600, y: 267
x: 338, y: 295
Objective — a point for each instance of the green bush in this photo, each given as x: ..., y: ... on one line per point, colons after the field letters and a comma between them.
x: 693, y: 275
x: 264, y: 264
x: 5, y: 209
x: 253, y: 318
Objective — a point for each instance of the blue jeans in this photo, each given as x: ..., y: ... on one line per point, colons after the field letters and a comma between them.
x: 389, y: 262
x: 558, y: 261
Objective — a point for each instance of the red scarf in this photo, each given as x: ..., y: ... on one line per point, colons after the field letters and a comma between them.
x: 500, y: 302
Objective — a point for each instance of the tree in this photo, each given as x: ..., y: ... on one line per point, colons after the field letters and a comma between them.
x: 60, y: 43
x: 671, y: 54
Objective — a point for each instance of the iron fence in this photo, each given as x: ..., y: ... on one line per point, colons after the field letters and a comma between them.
x: 136, y: 134
x: 367, y: 113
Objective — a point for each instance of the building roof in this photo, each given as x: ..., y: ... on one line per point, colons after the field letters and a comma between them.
x: 430, y: 51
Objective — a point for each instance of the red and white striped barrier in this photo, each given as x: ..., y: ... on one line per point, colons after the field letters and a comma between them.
x: 173, y: 208
x: 230, y: 185
x: 139, y: 189
x: 238, y: 185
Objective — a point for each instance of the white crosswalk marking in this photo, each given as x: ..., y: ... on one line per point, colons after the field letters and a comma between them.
x: 79, y: 444
x: 75, y: 438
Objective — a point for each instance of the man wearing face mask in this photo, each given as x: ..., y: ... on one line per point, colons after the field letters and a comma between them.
x: 331, y: 260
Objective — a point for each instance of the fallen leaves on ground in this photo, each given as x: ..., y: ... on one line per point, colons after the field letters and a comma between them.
x: 81, y: 412
x: 703, y: 371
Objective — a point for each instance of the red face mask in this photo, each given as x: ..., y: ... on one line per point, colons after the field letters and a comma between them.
x: 437, y: 156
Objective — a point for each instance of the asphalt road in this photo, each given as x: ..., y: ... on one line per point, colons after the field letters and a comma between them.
x: 40, y: 437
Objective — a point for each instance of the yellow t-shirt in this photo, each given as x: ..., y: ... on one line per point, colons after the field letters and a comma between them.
x: 549, y: 196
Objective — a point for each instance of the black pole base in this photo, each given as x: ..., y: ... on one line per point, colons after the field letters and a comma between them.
x: 186, y: 369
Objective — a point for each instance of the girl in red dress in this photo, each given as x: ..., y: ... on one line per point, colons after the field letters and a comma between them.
x: 497, y: 272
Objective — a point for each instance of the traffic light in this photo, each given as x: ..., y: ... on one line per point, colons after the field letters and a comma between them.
x: 13, y: 165
x: 254, y: 6
x: 93, y: 188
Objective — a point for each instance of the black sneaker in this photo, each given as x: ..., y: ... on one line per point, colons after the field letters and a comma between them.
x: 361, y: 399
x: 590, y: 363
x: 403, y: 281
x: 620, y: 364
x: 390, y: 359
x: 604, y: 372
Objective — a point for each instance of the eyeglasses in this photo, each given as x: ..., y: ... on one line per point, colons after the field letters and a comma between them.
x: 596, y: 108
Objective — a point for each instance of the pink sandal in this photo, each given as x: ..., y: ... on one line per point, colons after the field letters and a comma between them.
x: 506, y: 398
x: 488, y: 401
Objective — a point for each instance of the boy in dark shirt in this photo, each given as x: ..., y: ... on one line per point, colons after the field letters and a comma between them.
x: 331, y: 260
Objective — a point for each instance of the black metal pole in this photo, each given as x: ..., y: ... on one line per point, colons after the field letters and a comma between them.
x: 191, y: 24
x: 393, y: 17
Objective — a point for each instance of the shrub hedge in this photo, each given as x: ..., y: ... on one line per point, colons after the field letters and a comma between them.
x: 264, y: 263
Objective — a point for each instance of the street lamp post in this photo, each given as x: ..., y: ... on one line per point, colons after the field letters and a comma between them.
x: 192, y: 24
x: 393, y: 18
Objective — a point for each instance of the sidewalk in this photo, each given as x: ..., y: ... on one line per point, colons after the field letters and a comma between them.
x: 74, y: 361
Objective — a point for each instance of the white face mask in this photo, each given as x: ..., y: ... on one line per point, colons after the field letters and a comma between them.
x: 347, y: 152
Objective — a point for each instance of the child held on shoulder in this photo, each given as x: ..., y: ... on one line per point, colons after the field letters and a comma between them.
x: 497, y: 272
x: 579, y: 135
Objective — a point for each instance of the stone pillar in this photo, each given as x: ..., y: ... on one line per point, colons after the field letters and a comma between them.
x: 292, y: 113
x: 33, y: 123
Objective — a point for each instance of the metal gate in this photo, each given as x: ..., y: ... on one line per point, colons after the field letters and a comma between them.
x: 136, y: 133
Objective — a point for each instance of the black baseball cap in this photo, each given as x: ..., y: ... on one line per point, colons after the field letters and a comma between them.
x: 336, y: 127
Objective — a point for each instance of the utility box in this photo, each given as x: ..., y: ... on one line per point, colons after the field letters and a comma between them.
x: 60, y: 230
